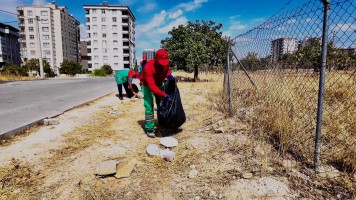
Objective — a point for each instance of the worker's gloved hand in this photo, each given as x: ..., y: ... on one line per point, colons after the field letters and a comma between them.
x: 170, y: 77
x: 167, y: 97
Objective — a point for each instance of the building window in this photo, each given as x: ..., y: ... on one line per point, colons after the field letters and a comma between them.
x: 105, y: 50
x: 47, y: 52
x: 45, y: 37
x: 102, y: 11
x: 96, y: 57
x: 96, y: 50
x: 29, y: 13
x: 103, y: 27
x: 116, y: 65
x: 44, y: 21
x: 30, y: 21
x: 95, y: 43
x: 104, y: 43
x: 94, y: 11
x: 116, y: 43
x: 32, y: 52
x: 95, y: 27
x: 30, y: 29
x: 44, y: 13
x: 94, y: 19
x: 48, y: 59
x: 96, y: 65
x: 46, y: 45
x: 88, y: 27
x: 45, y: 29
x: 116, y: 58
x: 32, y: 44
x: 104, y: 35
x: 95, y: 35
x: 114, y: 12
x: 32, y: 37
x: 114, y: 19
x: 103, y: 19
x: 116, y: 50
x: 105, y: 57
x: 114, y: 35
x: 114, y: 27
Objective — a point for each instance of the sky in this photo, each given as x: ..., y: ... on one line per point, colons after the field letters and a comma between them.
x: 154, y: 18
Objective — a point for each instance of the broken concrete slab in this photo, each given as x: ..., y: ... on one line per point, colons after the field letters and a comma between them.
x: 168, y: 142
x: 106, y: 168
x: 50, y: 121
x: 124, y: 169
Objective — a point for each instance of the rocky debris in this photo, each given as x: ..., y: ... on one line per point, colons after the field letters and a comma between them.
x: 168, y: 142
x: 106, y: 168
x: 193, y: 173
x: 115, y: 108
x: 287, y: 164
x: 124, y: 169
x: 154, y: 150
x: 247, y: 175
x: 219, y: 130
x: 192, y: 167
x: 328, y: 172
x: 50, y: 121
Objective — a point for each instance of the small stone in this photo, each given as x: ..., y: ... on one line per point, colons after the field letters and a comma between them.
x: 115, y: 108
x: 183, y: 187
x: 124, y: 169
x: 287, y: 163
x: 212, y: 193
x: 220, y: 122
x: 247, y: 175
x: 219, y: 130
x: 220, y: 196
x: 193, y: 167
x: 50, y: 122
x: 193, y: 173
x: 106, y: 168
x: 197, y: 198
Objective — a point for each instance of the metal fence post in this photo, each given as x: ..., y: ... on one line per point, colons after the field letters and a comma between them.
x: 228, y: 77
x: 321, y: 86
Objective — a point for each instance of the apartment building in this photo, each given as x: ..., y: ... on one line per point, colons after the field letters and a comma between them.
x: 9, y: 45
x: 84, y: 58
x: 150, y: 53
x: 282, y: 46
x: 110, y: 36
x: 48, y: 31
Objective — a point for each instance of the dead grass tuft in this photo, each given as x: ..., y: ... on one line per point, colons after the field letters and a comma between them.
x: 18, y: 181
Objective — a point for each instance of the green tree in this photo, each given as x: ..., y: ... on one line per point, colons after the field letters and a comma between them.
x: 12, y: 69
x: 70, y: 67
x: 252, y: 62
x: 33, y: 65
x: 108, y: 69
x: 195, y: 46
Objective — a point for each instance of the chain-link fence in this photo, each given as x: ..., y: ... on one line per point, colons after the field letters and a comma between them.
x: 279, y: 79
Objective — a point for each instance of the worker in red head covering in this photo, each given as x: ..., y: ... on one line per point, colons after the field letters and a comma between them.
x: 153, y: 74
x: 142, y: 64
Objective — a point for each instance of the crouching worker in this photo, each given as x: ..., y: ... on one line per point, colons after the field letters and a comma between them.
x: 154, y: 72
x: 124, y: 79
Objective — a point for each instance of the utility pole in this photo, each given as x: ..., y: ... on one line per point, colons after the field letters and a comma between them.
x: 39, y: 49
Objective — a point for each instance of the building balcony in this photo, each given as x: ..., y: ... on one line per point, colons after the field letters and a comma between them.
x: 125, y: 47
x: 125, y: 24
x: 126, y: 62
x: 125, y: 39
x: 124, y: 16
x: 125, y: 32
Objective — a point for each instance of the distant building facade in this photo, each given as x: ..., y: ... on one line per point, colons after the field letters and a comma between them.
x: 283, y: 46
x: 9, y: 45
x: 110, y: 36
x: 150, y: 53
x: 58, y: 33
x: 84, y: 58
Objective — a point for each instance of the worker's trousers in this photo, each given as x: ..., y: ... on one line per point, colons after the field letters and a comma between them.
x: 149, y: 107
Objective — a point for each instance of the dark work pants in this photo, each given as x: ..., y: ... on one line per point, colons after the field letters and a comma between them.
x: 129, y: 94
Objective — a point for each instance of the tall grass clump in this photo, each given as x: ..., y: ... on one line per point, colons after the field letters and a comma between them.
x: 284, y: 106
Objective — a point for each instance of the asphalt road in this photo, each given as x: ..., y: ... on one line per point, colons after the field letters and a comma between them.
x: 23, y: 103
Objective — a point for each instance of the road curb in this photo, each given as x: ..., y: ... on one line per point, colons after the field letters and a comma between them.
x: 22, y: 129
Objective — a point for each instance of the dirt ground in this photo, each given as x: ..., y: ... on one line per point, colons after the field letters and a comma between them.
x: 216, y: 157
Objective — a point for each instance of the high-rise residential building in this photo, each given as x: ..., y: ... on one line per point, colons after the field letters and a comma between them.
x: 150, y: 53
x: 9, y: 45
x: 110, y: 36
x: 84, y: 58
x: 282, y: 46
x: 48, y: 31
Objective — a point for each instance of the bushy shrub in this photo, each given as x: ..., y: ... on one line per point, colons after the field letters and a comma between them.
x: 12, y: 69
x: 70, y: 67
x: 99, y: 72
x: 108, y: 69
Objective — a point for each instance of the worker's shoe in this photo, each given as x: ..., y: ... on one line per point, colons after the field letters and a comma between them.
x: 151, y: 134
x: 121, y: 97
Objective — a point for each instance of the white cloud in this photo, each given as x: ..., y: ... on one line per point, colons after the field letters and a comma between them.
x: 345, y: 27
x: 193, y: 5
x: 233, y: 17
x: 236, y: 25
x: 155, y: 22
x: 308, y: 20
x: 291, y: 21
x: 9, y: 6
x: 259, y: 20
x: 147, y: 7
x: 83, y: 31
x: 175, y: 14
x: 39, y: 2
x: 179, y: 21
